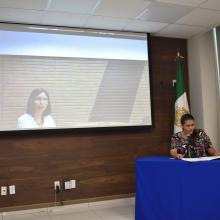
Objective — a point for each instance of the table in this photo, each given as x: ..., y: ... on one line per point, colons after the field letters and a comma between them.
x: 168, y: 189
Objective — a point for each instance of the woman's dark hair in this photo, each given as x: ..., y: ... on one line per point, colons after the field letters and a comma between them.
x: 32, y: 97
x: 185, y: 118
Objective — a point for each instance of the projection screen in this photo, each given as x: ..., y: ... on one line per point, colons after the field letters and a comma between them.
x: 57, y: 78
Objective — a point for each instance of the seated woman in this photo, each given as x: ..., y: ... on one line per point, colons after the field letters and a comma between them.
x: 191, y: 142
x: 38, y: 111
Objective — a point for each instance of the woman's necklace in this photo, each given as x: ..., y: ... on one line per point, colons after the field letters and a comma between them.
x: 184, y: 136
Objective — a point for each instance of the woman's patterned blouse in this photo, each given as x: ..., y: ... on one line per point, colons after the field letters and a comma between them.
x: 195, y: 145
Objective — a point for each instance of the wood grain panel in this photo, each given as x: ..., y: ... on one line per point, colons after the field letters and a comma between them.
x: 101, y: 161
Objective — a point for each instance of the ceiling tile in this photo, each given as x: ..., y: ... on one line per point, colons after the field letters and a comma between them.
x: 194, y: 3
x: 24, y: 4
x: 20, y: 15
x: 201, y: 17
x: 121, y: 8
x: 180, y: 31
x: 75, y: 6
x: 164, y: 12
x: 145, y: 26
x: 64, y: 19
x: 211, y: 4
x: 101, y: 22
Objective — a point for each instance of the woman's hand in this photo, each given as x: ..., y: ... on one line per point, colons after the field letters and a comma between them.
x: 179, y: 156
x: 213, y: 152
x: 175, y: 154
x: 217, y: 153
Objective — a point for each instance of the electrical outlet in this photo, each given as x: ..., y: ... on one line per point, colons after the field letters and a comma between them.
x: 67, y: 185
x: 56, y: 184
x: 12, y: 189
x: 73, y: 184
x: 4, y: 190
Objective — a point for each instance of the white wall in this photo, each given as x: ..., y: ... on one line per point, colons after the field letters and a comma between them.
x: 204, y: 97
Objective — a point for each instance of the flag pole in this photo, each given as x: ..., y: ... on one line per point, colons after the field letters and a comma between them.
x: 181, y: 104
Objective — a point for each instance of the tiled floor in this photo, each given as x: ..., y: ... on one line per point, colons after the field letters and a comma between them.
x: 120, y: 209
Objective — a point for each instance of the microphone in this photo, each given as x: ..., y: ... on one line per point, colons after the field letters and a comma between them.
x: 185, y: 149
x: 192, y: 150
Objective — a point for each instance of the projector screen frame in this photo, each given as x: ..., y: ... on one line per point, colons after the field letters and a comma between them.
x: 90, y: 129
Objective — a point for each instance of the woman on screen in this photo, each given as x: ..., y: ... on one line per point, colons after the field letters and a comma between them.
x: 38, y: 111
x: 191, y: 142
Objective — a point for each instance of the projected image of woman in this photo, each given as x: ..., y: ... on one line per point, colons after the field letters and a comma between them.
x: 38, y: 111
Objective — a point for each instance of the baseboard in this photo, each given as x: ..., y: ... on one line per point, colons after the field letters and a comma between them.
x: 69, y: 202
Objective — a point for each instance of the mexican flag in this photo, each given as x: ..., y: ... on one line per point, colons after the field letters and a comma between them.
x: 181, y: 104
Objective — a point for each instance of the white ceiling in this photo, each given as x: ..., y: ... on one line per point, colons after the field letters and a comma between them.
x: 171, y: 18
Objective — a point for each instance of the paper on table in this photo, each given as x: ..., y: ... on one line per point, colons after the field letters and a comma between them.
x: 197, y: 159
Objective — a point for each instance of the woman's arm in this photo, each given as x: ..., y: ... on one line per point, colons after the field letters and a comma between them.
x: 174, y: 144
x: 213, y: 152
x: 174, y: 154
x: 209, y: 146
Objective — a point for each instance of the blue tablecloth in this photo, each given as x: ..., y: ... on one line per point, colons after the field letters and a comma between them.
x: 168, y: 189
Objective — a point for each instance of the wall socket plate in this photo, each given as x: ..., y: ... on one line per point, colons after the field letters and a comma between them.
x: 67, y: 185
x: 56, y: 183
x: 12, y: 189
x: 70, y: 184
x: 73, y: 184
x: 4, y: 190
